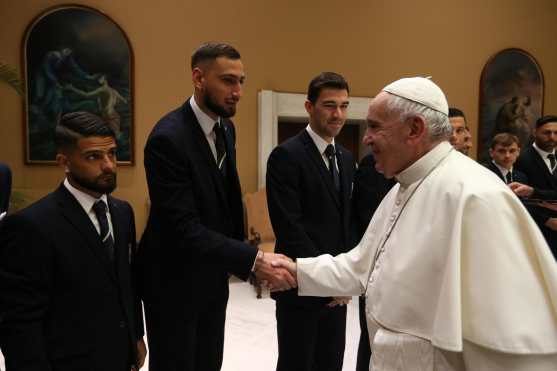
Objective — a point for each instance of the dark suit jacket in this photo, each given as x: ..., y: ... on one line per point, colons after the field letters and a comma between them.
x: 517, y: 175
x: 308, y: 215
x: 545, y: 187
x: 63, y: 305
x: 5, y: 187
x: 194, y: 233
x: 370, y: 187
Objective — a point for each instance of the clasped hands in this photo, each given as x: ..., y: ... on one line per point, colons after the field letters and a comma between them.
x: 277, y: 272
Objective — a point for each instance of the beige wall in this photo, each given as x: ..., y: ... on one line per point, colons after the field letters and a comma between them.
x: 284, y: 44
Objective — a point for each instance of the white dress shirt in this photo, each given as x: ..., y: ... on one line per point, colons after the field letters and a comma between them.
x: 87, y: 201
x: 207, y: 125
x: 544, y: 155
x: 321, y: 145
x: 504, y: 171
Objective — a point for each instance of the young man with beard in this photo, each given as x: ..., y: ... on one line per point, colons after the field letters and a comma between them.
x: 194, y: 236
x: 309, y: 186
x: 67, y: 301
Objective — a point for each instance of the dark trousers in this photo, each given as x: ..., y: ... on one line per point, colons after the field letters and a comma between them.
x: 364, y: 349
x: 192, y: 341
x: 309, y: 338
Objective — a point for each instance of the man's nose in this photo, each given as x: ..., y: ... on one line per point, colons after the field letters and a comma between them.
x: 108, y: 164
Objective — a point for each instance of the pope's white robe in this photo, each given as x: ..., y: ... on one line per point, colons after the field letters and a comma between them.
x: 465, y: 281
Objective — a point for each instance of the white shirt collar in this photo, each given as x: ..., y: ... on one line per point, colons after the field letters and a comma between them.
x: 320, y: 143
x: 542, y: 152
x: 85, y: 200
x: 424, y: 164
x: 502, y: 169
x: 207, y: 123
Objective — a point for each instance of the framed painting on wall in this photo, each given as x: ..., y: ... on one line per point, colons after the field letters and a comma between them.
x: 511, y: 98
x: 76, y: 58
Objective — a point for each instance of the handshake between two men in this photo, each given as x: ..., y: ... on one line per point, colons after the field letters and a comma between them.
x: 277, y: 272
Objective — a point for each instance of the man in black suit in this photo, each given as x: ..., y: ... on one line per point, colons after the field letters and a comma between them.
x: 460, y: 138
x: 67, y: 301
x: 370, y: 187
x: 538, y: 163
x: 309, y: 185
x: 194, y: 235
x: 504, y: 151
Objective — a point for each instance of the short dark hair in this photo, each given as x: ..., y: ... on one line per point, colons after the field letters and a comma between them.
x: 455, y: 112
x: 505, y: 140
x: 77, y: 125
x: 545, y: 119
x: 325, y: 80
x: 211, y: 51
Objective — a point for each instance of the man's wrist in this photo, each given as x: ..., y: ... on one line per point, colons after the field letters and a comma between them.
x: 258, y: 259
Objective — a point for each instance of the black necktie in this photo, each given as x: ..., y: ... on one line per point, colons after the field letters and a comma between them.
x: 552, y: 161
x: 330, y: 153
x: 220, y: 147
x: 509, y: 177
x: 99, y: 208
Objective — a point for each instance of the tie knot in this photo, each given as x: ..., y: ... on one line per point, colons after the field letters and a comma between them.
x: 551, y: 156
x: 216, y: 127
x: 330, y: 150
x: 99, y: 207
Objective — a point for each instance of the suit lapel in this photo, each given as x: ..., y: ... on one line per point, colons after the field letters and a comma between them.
x: 317, y: 160
x: 200, y: 141
x: 345, y: 169
x: 497, y: 172
x: 543, y: 167
x: 120, y: 230
x: 76, y: 216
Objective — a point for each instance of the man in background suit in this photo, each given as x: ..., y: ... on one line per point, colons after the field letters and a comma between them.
x: 504, y: 151
x: 309, y: 184
x: 538, y: 163
x: 460, y: 138
x: 67, y: 301
x: 370, y: 186
x: 194, y: 235
x: 5, y: 188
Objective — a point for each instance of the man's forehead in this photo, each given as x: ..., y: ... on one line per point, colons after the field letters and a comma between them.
x: 224, y: 65
x: 333, y: 95
x: 506, y: 147
x: 377, y: 106
x: 457, y: 121
x: 96, y: 143
x: 552, y: 125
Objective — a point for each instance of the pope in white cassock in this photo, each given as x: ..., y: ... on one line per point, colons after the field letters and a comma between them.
x: 456, y: 274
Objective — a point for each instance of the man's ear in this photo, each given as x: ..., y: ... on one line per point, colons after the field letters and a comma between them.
x: 197, y: 78
x: 309, y: 107
x: 417, y: 127
x: 62, y: 161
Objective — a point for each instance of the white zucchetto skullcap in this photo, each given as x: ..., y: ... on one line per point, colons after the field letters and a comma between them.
x: 420, y: 90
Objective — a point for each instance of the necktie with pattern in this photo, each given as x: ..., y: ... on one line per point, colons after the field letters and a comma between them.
x: 99, y: 207
x: 220, y: 147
